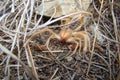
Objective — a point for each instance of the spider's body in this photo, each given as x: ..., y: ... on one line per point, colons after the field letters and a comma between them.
x: 65, y: 34
x: 79, y: 38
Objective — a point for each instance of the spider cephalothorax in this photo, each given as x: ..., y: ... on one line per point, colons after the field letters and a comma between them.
x: 65, y: 34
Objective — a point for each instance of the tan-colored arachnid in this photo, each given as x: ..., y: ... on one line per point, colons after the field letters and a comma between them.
x: 66, y: 35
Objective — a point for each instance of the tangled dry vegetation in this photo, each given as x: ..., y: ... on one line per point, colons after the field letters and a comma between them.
x: 44, y: 48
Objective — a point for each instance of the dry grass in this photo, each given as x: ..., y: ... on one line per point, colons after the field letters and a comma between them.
x: 18, y: 21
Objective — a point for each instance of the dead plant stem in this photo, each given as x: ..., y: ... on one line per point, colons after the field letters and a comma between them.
x: 92, y: 51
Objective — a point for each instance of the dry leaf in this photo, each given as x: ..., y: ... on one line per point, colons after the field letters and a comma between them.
x: 98, y: 33
x: 62, y: 7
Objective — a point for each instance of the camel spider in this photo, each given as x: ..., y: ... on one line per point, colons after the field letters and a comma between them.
x: 79, y: 38
x: 66, y: 35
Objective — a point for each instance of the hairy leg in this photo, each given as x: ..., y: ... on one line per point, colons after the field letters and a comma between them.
x: 83, y: 35
x: 76, y: 41
x: 40, y: 32
x: 47, y: 44
x: 53, y: 36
